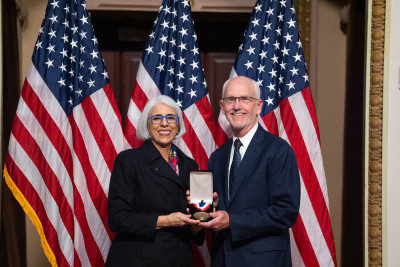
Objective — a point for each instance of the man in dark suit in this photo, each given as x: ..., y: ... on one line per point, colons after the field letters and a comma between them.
x: 258, y: 184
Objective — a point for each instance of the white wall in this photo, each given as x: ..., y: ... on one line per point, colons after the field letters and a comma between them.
x: 391, y: 138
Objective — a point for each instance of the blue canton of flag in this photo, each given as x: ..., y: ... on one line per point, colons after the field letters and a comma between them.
x: 271, y: 53
x: 173, y: 44
x: 67, y: 55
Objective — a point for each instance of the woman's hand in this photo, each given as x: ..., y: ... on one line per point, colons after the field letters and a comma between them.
x: 176, y: 219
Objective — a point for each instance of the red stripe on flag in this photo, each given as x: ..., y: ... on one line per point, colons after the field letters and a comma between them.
x: 303, y: 243
x: 271, y: 123
x: 311, y: 108
x: 193, y: 143
x: 94, y: 188
x: 28, y: 143
x: 31, y: 196
x: 46, y: 121
x: 309, y: 177
x: 99, y: 132
x: 139, y: 97
x: 204, y: 107
x: 108, y: 91
x: 130, y: 134
x: 220, y: 136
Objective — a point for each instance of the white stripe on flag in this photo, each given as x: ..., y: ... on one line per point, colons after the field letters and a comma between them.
x: 145, y: 82
x: 79, y: 244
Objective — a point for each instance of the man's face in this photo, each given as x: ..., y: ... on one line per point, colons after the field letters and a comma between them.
x: 241, y: 115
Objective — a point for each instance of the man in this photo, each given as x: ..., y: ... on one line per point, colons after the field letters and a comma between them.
x: 258, y: 186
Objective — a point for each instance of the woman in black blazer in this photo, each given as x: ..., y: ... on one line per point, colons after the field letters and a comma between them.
x: 147, y: 195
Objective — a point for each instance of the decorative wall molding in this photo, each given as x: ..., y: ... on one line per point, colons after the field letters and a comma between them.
x: 375, y: 133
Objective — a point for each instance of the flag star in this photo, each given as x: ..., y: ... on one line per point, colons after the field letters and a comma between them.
x: 52, y: 34
x: 253, y: 36
x: 181, y: 61
x: 299, y: 44
x: 269, y: 101
x: 293, y: 10
x: 258, y: 7
x: 73, y: 44
x: 280, y: 79
x: 84, y: 20
x: 162, y: 53
x: 185, y: 3
x: 149, y: 49
x: 278, y: 31
x: 79, y: 93
x: 184, y: 17
x: 64, y: 53
x: 172, y: 56
x: 183, y: 32
x: 72, y: 58
x: 294, y: 71
x: 94, y: 40
x: 171, y: 71
x: 90, y: 83
x: 240, y: 47
x: 195, y: 65
x: 165, y: 24
x: 267, y: 26
x: 63, y: 67
x: 71, y: 88
x: 285, y: 51
x: 54, y: 4
x: 61, y: 82
x: 163, y: 38
x: 179, y: 103
x: 66, y: 8
x: 259, y: 82
x: 271, y: 87
x: 71, y: 72
x: 170, y: 85
x: 263, y: 54
x: 291, y: 85
x: 283, y: 3
x: 65, y: 38
x: 49, y: 63
x: 305, y: 78
x: 179, y: 89
x: 83, y: 34
x: 174, y: 13
x: 255, y: 22
x: 173, y: 27
x: 275, y: 59
x: 66, y: 23
x: 74, y: 29
x: 84, y: 6
x: 151, y: 35
x: 249, y: 64
x: 276, y: 44
x: 105, y: 74
x: 291, y: 23
x: 82, y: 48
x: 192, y: 93
x: 80, y: 77
x: 160, y: 67
x: 280, y: 16
x: 38, y: 45
x: 53, y: 19
x: 92, y: 68
x: 71, y: 101
x: 166, y: 10
x: 288, y: 37
x: 182, y: 46
x: 283, y: 65
x: 81, y: 64
x: 193, y: 79
x: 250, y: 50
x: 297, y: 57
x: 195, y: 50
x: 270, y: 12
x: 265, y: 40
x: 194, y: 36
x: 173, y: 42
x: 279, y: 92
x: 273, y: 73
x: 261, y: 68
x: 181, y: 75
x: 94, y: 54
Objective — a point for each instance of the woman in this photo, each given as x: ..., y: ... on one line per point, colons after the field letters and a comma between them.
x: 147, y: 196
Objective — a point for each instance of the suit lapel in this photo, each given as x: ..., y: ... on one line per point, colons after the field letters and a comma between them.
x: 249, y: 159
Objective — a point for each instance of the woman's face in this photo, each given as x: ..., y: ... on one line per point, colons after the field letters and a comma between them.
x: 162, y: 134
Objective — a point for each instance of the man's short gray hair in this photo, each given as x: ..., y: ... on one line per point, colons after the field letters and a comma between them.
x: 142, y: 130
x: 255, y: 84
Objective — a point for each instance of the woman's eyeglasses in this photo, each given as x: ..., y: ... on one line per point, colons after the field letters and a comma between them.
x: 157, y: 119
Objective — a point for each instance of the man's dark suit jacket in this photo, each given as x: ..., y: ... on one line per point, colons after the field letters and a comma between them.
x: 143, y: 186
x: 263, y: 206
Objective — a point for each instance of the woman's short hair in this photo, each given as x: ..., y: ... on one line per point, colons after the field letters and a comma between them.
x: 255, y: 84
x: 142, y: 130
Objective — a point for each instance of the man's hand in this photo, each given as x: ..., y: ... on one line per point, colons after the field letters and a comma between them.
x: 219, y: 222
x: 215, y: 201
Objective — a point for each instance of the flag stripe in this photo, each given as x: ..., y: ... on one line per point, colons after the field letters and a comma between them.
x: 303, y: 243
x: 311, y: 109
x: 271, y: 123
x: 309, y: 177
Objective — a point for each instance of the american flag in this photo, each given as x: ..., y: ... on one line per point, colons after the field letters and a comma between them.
x: 65, y: 136
x: 271, y: 54
x: 171, y: 65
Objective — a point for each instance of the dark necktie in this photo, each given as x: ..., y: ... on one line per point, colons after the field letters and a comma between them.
x: 235, y: 165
